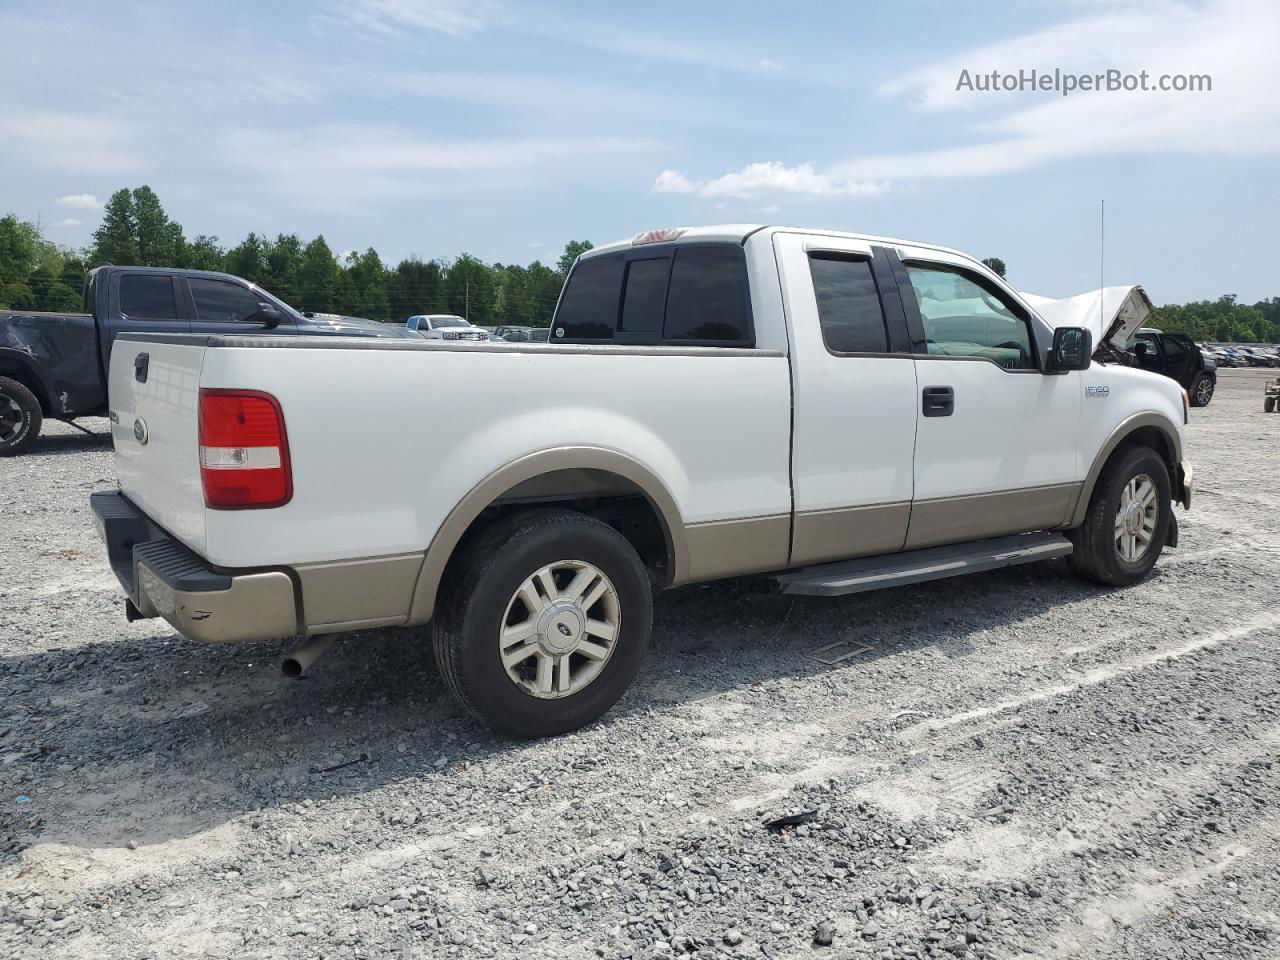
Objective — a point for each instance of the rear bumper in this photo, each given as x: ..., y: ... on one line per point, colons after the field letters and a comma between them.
x: 163, y: 578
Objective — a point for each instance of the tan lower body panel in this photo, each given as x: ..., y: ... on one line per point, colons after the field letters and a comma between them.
x: 956, y: 519
x: 358, y: 594
x: 258, y: 606
x: 730, y: 548
x: 849, y: 532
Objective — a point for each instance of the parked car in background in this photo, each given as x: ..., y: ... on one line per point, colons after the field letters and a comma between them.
x: 1176, y: 355
x: 837, y: 412
x: 512, y: 334
x: 53, y: 365
x: 445, y: 326
x: 540, y: 334
x: 1261, y: 357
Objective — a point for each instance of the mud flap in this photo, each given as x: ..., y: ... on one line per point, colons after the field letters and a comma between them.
x: 1171, y: 541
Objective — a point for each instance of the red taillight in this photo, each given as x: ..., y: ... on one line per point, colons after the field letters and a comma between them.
x: 244, y: 453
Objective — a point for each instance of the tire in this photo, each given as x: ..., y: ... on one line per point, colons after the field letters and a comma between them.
x: 1268, y: 404
x: 1201, y: 391
x: 483, y: 595
x: 1097, y: 555
x: 20, y: 417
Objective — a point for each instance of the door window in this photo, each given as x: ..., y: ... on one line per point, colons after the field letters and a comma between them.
x: 1175, y: 352
x: 849, y: 308
x: 219, y: 301
x: 147, y: 297
x: 963, y: 318
x: 1146, y: 351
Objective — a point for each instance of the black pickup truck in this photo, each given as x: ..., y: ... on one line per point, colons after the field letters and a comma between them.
x: 54, y: 365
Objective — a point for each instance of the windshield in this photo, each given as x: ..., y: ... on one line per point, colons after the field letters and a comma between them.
x: 449, y: 322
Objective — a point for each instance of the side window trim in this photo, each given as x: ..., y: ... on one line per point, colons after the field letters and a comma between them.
x: 915, y: 322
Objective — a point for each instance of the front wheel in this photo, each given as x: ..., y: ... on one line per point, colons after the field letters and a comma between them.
x: 1127, y: 522
x: 543, y: 622
x: 1268, y: 404
x: 1201, y: 390
x: 20, y: 417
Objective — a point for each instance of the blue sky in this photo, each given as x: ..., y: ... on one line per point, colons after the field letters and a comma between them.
x: 504, y: 129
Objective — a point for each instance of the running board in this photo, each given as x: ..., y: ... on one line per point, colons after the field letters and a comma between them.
x: 917, y: 566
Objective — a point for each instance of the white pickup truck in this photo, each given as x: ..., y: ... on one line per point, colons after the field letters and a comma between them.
x: 838, y: 412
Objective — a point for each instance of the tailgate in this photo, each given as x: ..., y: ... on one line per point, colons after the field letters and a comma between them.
x: 153, y: 389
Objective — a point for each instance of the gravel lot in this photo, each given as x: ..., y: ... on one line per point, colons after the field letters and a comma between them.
x: 1020, y: 764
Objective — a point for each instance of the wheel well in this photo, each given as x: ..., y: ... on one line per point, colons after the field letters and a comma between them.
x: 606, y: 496
x: 1154, y: 438
x: 16, y: 370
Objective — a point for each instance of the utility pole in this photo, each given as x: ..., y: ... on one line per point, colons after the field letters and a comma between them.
x: 466, y: 309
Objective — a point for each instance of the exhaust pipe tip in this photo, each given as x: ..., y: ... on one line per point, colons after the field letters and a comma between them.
x: 296, y: 663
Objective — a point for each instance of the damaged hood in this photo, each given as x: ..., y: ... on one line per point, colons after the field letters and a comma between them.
x: 1112, y: 314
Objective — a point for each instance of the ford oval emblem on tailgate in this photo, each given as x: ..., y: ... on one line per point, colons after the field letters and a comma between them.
x: 140, y: 430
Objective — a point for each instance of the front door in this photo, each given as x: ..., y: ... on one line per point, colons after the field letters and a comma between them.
x: 854, y: 388
x: 996, y: 437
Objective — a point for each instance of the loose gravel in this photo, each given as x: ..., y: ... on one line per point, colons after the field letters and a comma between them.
x: 1020, y: 765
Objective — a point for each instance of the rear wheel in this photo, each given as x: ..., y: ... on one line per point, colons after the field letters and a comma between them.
x: 1201, y: 390
x: 20, y: 417
x: 543, y: 622
x: 1268, y: 404
x: 1127, y: 522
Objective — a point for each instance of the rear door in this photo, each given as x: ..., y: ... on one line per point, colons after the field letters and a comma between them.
x: 223, y: 306
x: 996, y: 437
x: 854, y: 386
x: 143, y: 303
x: 1181, y: 357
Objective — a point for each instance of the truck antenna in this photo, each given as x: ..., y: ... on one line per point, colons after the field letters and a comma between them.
x: 1102, y: 251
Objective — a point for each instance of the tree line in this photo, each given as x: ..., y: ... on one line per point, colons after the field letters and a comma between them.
x: 36, y: 274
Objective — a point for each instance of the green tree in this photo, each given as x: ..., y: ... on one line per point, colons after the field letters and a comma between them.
x: 18, y: 250
x: 204, y: 253
x: 318, y: 276
x: 366, y: 292
x: 996, y: 265
x: 470, y: 290
x: 572, y: 250
x: 116, y: 239
x: 284, y: 267
x: 160, y: 240
x: 248, y: 259
x: 415, y: 287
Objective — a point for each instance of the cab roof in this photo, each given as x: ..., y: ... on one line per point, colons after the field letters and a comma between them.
x: 739, y: 232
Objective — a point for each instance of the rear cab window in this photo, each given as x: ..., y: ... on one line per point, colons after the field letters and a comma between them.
x: 147, y: 296
x: 693, y: 294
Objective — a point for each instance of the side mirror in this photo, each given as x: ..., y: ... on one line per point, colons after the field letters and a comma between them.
x: 1072, y: 349
x: 268, y: 315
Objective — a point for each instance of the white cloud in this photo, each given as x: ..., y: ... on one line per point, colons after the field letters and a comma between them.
x: 67, y: 222
x: 452, y: 17
x: 769, y: 177
x: 1230, y: 40
x: 80, y: 201
x: 343, y: 167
